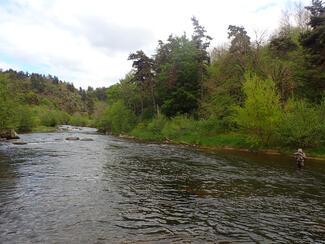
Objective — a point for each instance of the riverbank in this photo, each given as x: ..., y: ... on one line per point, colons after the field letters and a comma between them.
x: 225, y: 143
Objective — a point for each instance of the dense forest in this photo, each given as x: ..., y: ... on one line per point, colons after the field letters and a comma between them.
x: 252, y: 93
x: 37, y: 102
x: 248, y: 93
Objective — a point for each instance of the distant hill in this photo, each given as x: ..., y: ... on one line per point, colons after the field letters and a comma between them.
x: 50, y: 91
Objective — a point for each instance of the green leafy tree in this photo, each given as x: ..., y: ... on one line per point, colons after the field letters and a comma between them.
x: 202, y: 42
x: 144, y: 76
x: 240, y: 43
x: 178, y: 75
x: 261, y: 112
x: 313, y: 41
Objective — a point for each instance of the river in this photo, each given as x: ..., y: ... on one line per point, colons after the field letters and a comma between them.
x: 112, y: 190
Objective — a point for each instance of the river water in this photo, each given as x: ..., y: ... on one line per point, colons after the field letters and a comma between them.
x: 112, y: 190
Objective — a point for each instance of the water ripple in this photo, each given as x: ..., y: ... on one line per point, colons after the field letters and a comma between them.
x: 116, y: 191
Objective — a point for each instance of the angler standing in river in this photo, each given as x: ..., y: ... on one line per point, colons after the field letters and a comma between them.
x: 300, y: 158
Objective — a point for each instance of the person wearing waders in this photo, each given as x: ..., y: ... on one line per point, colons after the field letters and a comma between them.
x: 300, y: 158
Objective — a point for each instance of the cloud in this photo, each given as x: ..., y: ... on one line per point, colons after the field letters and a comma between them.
x: 265, y: 7
x: 88, y: 42
x: 113, y: 38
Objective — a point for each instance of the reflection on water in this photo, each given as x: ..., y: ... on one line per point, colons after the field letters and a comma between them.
x: 113, y: 190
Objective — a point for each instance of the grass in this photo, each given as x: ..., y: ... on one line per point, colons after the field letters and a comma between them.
x: 181, y: 130
x: 147, y: 135
x: 317, y: 152
x: 221, y: 140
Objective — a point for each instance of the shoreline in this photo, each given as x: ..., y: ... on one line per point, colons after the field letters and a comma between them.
x: 211, y: 149
x: 207, y: 148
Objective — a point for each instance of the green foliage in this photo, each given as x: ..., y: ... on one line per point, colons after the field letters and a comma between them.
x: 151, y: 130
x: 117, y: 119
x: 45, y: 116
x: 234, y: 140
x: 79, y: 119
x: 261, y: 112
x: 179, y: 127
x: 302, y: 124
x: 178, y: 76
x: 182, y: 129
x: 313, y: 42
x: 25, y: 118
x: 7, y: 108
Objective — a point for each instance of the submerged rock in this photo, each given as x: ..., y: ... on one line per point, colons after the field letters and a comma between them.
x: 86, y: 139
x: 72, y: 138
x: 9, y: 134
x: 19, y: 143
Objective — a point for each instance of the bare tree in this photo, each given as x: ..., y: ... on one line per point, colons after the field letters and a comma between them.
x: 301, y: 16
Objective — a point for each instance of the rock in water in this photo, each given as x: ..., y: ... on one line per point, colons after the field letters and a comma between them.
x: 9, y: 134
x: 86, y: 139
x: 72, y: 138
x: 19, y: 143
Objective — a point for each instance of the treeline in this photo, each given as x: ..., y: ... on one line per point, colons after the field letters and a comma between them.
x: 246, y: 93
x: 35, y: 101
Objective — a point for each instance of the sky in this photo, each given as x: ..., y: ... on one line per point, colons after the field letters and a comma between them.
x: 88, y: 42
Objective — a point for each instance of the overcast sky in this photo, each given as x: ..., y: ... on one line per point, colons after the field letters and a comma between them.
x: 88, y: 42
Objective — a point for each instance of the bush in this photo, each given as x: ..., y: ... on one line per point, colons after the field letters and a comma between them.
x: 151, y: 130
x: 45, y: 116
x: 157, y: 124
x: 78, y: 119
x: 182, y: 129
x: 301, y: 125
x: 25, y: 119
x: 117, y: 119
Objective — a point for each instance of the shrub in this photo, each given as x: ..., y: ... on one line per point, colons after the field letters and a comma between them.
x: 181, y: 128
x: 45, y: 116
x: 301, y: 125
x: 117, y: 119
x: 79, y: 119
x: 25, y: 119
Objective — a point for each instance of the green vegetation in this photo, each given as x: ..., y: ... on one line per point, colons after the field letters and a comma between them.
x: 33, y: 102
x: 250, y: 94
x: 260, y: 114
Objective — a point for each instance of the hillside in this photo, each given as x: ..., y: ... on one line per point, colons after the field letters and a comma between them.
x: 33, y: 101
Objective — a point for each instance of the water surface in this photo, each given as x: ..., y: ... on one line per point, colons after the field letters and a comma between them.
x: 116, y: 191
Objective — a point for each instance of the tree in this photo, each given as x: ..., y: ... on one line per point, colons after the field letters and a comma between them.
x: 202, y: 42
x: 313, y: 41
x: 143, y: 76
x: 261, y: 111
x: 37, y: 82
x: 178, y: 76
x: 240, y: 43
